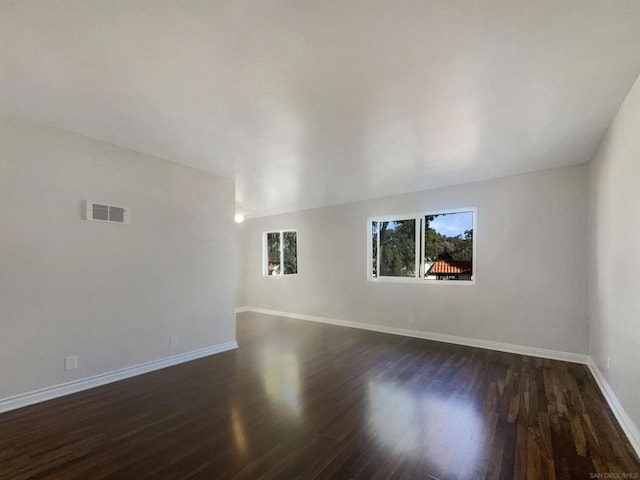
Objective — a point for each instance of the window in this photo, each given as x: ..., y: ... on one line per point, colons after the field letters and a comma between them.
x: 397, y: 248
x: 280, y: 253
x: 430, y: 246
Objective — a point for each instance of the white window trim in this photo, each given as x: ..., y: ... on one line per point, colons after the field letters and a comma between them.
x: 265, y: 253
x: 419, y: 241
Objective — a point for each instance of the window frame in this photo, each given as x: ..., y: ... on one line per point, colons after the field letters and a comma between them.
x: 420, y: 246
x: 265, y: 252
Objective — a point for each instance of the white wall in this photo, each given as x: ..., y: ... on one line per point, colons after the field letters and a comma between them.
x: 614, y: 255
x: 531, y: 284
x: 112, y: 294
x: 242, y: 265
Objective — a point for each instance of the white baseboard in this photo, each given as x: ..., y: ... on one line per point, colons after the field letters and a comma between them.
x: 48, y: 393
x: 242, y: 309
x: 628, y: 426
x: 439, y: 337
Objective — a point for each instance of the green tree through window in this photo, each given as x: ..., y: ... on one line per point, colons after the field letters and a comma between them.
x: 398, y: 248
x: 290, y: 252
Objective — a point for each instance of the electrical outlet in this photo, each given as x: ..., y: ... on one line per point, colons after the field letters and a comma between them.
x: 71, y: 362
x: 608, y: 363
x: 173, y: 341
x: 411, y: 318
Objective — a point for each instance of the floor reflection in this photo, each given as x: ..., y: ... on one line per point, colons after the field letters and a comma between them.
x: 423, y: 424
x: 280, y: 374
x: 239, y: 434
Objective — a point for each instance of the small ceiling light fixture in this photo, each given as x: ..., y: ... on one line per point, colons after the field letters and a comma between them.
x: 239, y: 218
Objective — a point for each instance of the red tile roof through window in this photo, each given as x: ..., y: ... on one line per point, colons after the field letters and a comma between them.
x: 451, y: 266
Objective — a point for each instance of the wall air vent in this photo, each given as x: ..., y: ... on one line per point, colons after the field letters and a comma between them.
x: 101, y: 212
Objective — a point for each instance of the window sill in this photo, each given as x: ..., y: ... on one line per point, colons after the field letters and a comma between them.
x: 421, y: 281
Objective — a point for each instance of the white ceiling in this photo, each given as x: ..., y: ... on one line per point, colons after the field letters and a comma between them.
x: 308, y: 103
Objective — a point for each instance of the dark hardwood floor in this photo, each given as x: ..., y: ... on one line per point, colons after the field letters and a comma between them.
x: 301, y: 400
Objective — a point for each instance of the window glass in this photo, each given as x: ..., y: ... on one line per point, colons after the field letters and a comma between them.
x: 448, y: 246
x: 290, y: 252
x: 374, y: 243
x: 273, y: 253
x: 398, y: 248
